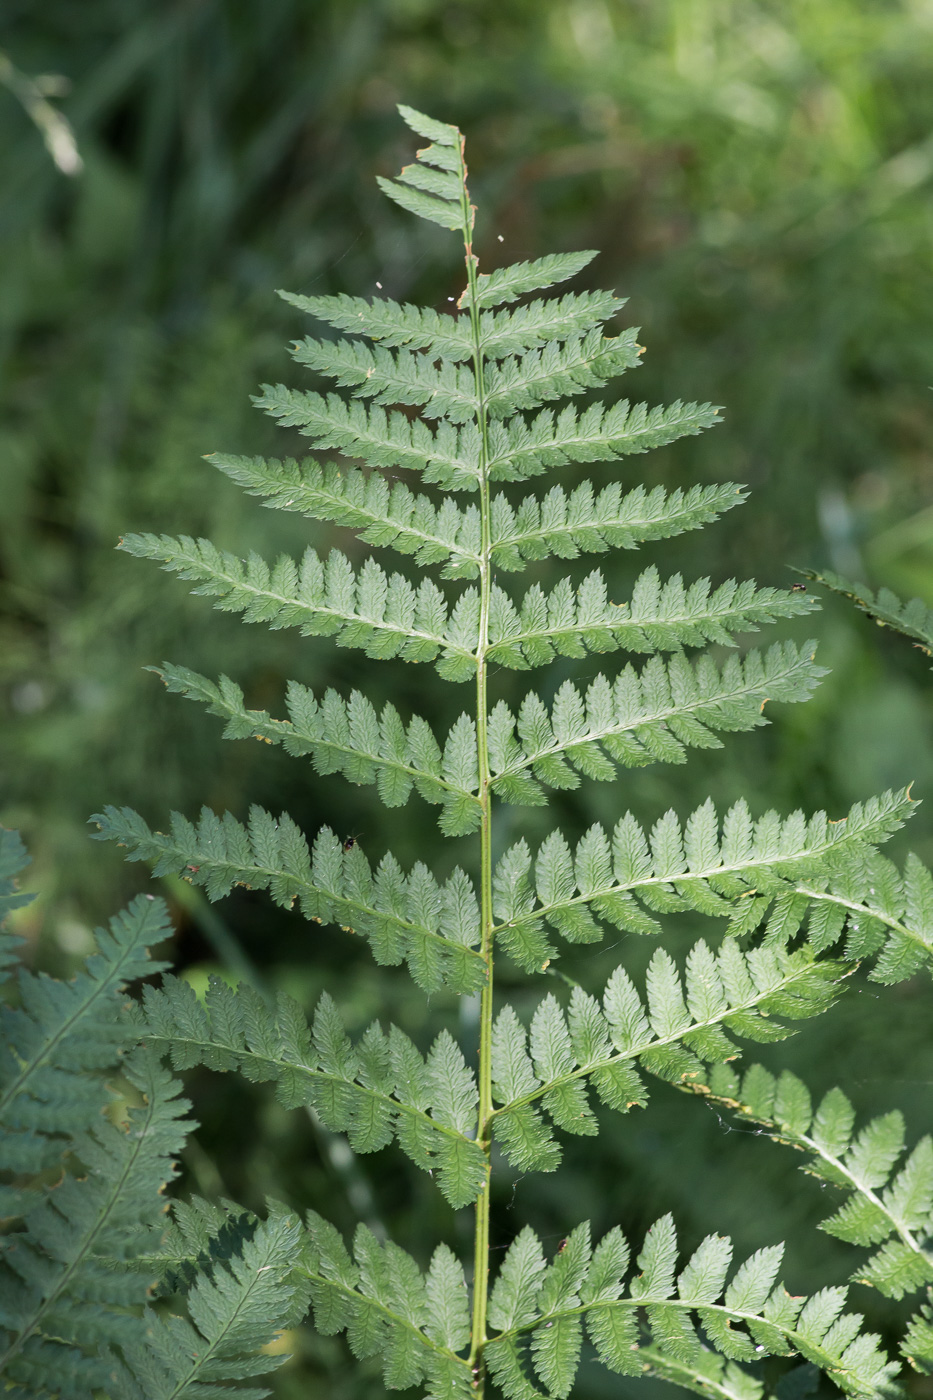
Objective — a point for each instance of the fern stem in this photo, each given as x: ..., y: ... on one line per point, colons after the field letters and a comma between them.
x: 484, y: 1075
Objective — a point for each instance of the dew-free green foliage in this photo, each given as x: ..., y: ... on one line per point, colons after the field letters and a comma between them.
x: 85, y: 1168
x: 460, y: 398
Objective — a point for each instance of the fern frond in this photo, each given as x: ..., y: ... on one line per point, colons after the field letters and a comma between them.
x: 684, y: 1023
x: 646, y: 717
x: 348, y: 737
x: 384, y: 615
x: 569, y: 525
x: 386, y: 516
x: 917, y: 1346
x: 196, y: 1235
x: 866, y: 900
x: 433, y: 188
x: 660, y: 617
x: 507, y: 284
x: 13, y: 859
x: 61, y: 1039
x: 64, y: 1282
x: 418, y: 1323
x: 541, y: 1309
x: 913, y: 619
x: 432, y: 927
x: 380, y: 1089
x: 235, y: 1312
x: 519, y: 449
x: 887, y: 1204
x: 448, y: 457
x: 736, y: 873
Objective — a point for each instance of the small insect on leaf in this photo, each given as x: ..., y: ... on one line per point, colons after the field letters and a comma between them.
x: 798, y: 588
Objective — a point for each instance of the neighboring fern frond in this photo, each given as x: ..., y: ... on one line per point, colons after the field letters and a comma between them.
x: 377, y: 1090
x: 567, y: 525
x: 432, y: 927
x: 65, y: 1288
x: 886, y: 1206
x: 60, y: 1040
x: 682, y: 1024
x: 540, y: 1310
x: 642, y: 717
x: 348, y: 737
x: 13, y: 859
x: 913, y: 619
x: 417, y: 1323
x: 235, y: 1313
x: 735, y: 872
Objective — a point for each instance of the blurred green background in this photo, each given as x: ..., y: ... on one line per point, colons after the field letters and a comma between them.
x: 758, y: 178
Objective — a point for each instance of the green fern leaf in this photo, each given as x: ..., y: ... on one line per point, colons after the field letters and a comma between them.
x: 234, y: 1313
x: 391, y: 323
x: 882, y: 1207
x: 522, y: 448
x: 537, y: 1310
x: 572, y: 622
x: 388, y: 1308
x: 432, y: 927
x: 447, y: 457
x: 60, y: 1042
x: 377, y: 1090
x: 680, y: 1026
x: 624, y: 879
x: 647, y: 717
x: 410, y: 522
x: 507, y: 284
x: 913, y: 619
x: 877, y: 909
x: 64, y: 1286
x: 382, y: 614
x: 348, y: 737
x: 567, y: 525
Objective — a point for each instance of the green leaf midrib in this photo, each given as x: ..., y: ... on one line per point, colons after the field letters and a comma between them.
x: 634, y: 1052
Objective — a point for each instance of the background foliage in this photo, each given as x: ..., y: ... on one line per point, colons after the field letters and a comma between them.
x: 758, y: 178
